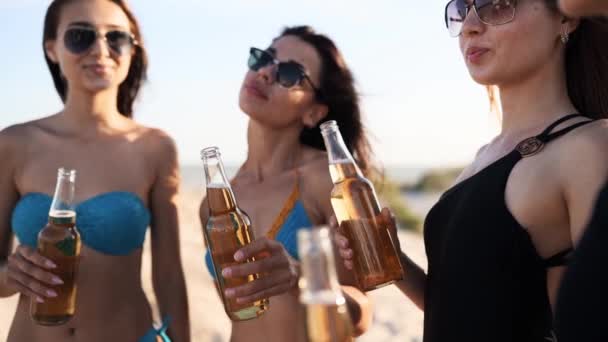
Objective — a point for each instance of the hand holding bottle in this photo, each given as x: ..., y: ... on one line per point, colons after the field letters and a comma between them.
x: 278, y: 272
x: 344, y: 248
x: 30, y: 273
x: 375, y: 262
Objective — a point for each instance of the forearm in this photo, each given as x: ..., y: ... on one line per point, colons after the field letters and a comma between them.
x: 359, y: 307
x: 5, y: 290
x: 414, y: 281
x: 173, y: 304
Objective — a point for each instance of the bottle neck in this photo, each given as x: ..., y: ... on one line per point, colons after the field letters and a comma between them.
x: 319, y: 281
x: 219, y: 192
x: 341, y: 163
x: 62, y: 208
x: 64, y: 218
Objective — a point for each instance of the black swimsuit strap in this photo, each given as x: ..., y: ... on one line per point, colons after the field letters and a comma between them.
x: 547, y: 135
x: 560, y: 121
x: 559, y: 259
x: 533, y: 145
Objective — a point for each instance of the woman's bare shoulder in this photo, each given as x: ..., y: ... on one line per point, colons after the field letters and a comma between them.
x: 580, y: 158
x: 20, y: 134
x: 589, y: 142
x: 315, y: 168
x: 156, y: 141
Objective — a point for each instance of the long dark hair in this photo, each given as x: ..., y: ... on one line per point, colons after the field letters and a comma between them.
x: 337, y: 88
x: 586, y: 66
x: 129, y: 88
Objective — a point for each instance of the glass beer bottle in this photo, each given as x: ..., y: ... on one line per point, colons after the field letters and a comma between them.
x: 227, y: 230
x: 353, y: 198
x: 327, y: 317
x: 59, y: 241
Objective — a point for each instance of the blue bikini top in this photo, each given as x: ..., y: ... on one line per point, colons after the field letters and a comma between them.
x: 113, y: 223
x: 290, y: 220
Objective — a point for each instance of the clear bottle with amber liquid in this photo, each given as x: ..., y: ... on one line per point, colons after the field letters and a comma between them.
x: 227, y: 230
x: 60, y: 242
x: 376, y: 263
x: 327, y: 317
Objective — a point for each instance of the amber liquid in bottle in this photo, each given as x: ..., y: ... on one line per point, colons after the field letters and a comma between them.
x: 328, y: 322
x: 227, y: 230
x: 327, y: 317
x: 60, y: 242
x: 375, y: 260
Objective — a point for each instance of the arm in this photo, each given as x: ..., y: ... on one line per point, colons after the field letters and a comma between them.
x: 414, y: 278
x: 167, y: 273
x: 580, y: 186
x: 360, y: 309
x: 24, y: 271
x: 9, y: 198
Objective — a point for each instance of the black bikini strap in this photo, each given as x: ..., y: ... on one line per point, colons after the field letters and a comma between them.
x: 547, y: 135
x: 533, y: 145
x: 559, y: 259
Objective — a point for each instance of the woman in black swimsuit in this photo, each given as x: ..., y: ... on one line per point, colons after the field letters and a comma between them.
x: 497, y: 241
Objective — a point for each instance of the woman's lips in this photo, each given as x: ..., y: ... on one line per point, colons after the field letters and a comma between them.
x: 255, y: 91
x: 98, y: 69
x: 475, y: 54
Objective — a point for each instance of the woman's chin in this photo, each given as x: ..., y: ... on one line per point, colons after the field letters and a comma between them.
x: 250, y: 109
x: 98, y: 86
x: 483, y: 79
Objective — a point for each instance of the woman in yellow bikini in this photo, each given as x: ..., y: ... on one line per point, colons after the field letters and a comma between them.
x: 284, y: 185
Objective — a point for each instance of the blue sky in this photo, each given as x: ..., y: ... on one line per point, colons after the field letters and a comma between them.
x: 420, y: 103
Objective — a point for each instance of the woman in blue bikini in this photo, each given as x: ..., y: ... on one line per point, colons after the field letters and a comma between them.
x: 284, y: 184
x: 127, y: 180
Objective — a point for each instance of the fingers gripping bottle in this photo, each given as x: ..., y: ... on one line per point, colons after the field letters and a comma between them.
x: 227, y: 230
x: 60, y: 242
x: 353, y: 198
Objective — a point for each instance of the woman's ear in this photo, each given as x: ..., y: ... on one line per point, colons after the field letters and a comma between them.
x: 571, y: 24
x: 49, y: 48
x: 316, y: 114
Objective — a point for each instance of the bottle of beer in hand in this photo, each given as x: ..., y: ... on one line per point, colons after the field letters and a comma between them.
x: 375, y: 260
x: 327, y: 318
x: 59, y: 241
x: 227, y: 230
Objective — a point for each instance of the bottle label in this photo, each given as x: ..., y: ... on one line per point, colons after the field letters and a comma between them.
x: 67, y: 246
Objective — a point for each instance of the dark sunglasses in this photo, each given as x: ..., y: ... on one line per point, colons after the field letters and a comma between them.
x: 80, y: 39
x: 287, y: 74
x: 489, y: 12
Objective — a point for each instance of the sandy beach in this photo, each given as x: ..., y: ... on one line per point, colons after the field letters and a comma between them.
x: 395, y: 317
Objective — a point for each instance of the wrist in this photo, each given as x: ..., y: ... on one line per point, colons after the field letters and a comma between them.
x: 294, y: 290
x: 5, y: 290
x: 405, y: 262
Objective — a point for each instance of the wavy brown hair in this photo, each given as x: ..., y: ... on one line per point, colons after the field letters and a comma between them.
x: 587, y: 66
x: 338, y: 93
x: 129, y: 88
